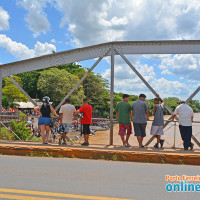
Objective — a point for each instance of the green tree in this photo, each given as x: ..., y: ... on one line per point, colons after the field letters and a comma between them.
x: 12, y: 92
x: 172, y: 102
x: 7, y: 102
x: 150, y: 104
x: 73, y: 68
x: 96, y: 90
x: 57, y: 83
x: 29, y: 82
x: 117, y: 98
x: 195, y: 105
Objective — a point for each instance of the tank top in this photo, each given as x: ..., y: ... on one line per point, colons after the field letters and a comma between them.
x: 158, y: 117
x: 45, y: 110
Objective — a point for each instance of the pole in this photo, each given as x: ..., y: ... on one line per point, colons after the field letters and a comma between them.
x: 193, y: 94
x: 111, y: 97
x: 174, y: 146
x: 0, y: 100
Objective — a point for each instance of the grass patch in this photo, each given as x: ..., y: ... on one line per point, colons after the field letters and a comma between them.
x: 103, y: 157
x: 60, y: 156
x: 163, y: 161
x: 115, y: 157
x: 181, y: 162
x: 36, y: 139
x: 124, y: 157
x: 38, y: 154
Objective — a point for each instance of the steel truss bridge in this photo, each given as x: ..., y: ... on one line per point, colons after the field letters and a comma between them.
x: 98, y: 52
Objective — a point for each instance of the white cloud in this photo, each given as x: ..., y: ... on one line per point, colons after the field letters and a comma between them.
x: 93, y: 22
x: 166, y: 71
x: 53, y: 40
x: 36, y: 17
x: 163, y: 67
x: 108, y: 20
x: 188, y: 65
x: 43, y: 48
x: 18, y: 50
x: 21, y: 51
x: 126, y: 81
x: 115, y: 21
x: 4, y: 19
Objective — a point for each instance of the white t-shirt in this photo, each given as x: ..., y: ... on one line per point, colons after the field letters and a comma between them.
x: 68, y: 111
x: 184, y: 113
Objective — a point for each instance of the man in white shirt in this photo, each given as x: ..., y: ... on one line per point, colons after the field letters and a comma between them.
x: 66, y: 117
x: 185, y: 115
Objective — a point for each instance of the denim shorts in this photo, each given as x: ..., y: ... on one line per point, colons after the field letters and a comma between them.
x: 44, y: 121
x: 66, y: 127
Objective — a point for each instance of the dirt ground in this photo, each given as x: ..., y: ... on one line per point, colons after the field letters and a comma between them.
x: 171, y: 136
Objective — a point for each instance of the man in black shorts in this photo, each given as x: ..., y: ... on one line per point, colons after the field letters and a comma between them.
x: 86, y: 109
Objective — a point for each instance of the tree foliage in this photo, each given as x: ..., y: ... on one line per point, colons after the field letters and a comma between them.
x: 20, y: 130
x: 11, y: 91
x: 29, y: 82
x: 96, y: 90
x: 57, y: 84
x: 73, y: 68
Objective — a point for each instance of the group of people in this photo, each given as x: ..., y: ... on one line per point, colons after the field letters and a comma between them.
x: 138, y: 113
x: 8, y: 111
x: 66, y: 114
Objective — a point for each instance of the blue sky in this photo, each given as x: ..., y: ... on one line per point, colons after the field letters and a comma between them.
x: 30, y: 28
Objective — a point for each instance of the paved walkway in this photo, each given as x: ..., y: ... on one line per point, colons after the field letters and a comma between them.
x: 105, y: 152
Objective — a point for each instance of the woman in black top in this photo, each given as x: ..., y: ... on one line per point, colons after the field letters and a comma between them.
x: 44, y: 120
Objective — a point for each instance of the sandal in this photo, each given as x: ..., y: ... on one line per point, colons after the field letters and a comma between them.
x: 45, y: 143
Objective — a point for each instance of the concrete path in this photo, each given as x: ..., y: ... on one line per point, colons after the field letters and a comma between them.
x: 116, y: 153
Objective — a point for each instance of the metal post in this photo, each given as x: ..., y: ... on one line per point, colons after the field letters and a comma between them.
x: 111, y: 97
x: 174, y: 146
x: 15, y: 83
x: 193, y: 94
x: 82, y: 79
x: 0, y: 99
x: 189, y: 99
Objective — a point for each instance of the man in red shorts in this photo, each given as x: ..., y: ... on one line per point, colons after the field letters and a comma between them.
x: 124, y: 115
x: 86, y: 109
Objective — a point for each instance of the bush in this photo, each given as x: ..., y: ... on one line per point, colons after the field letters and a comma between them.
x: 6, y: 134
x: 23, y: 116
x: 20, y: 130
